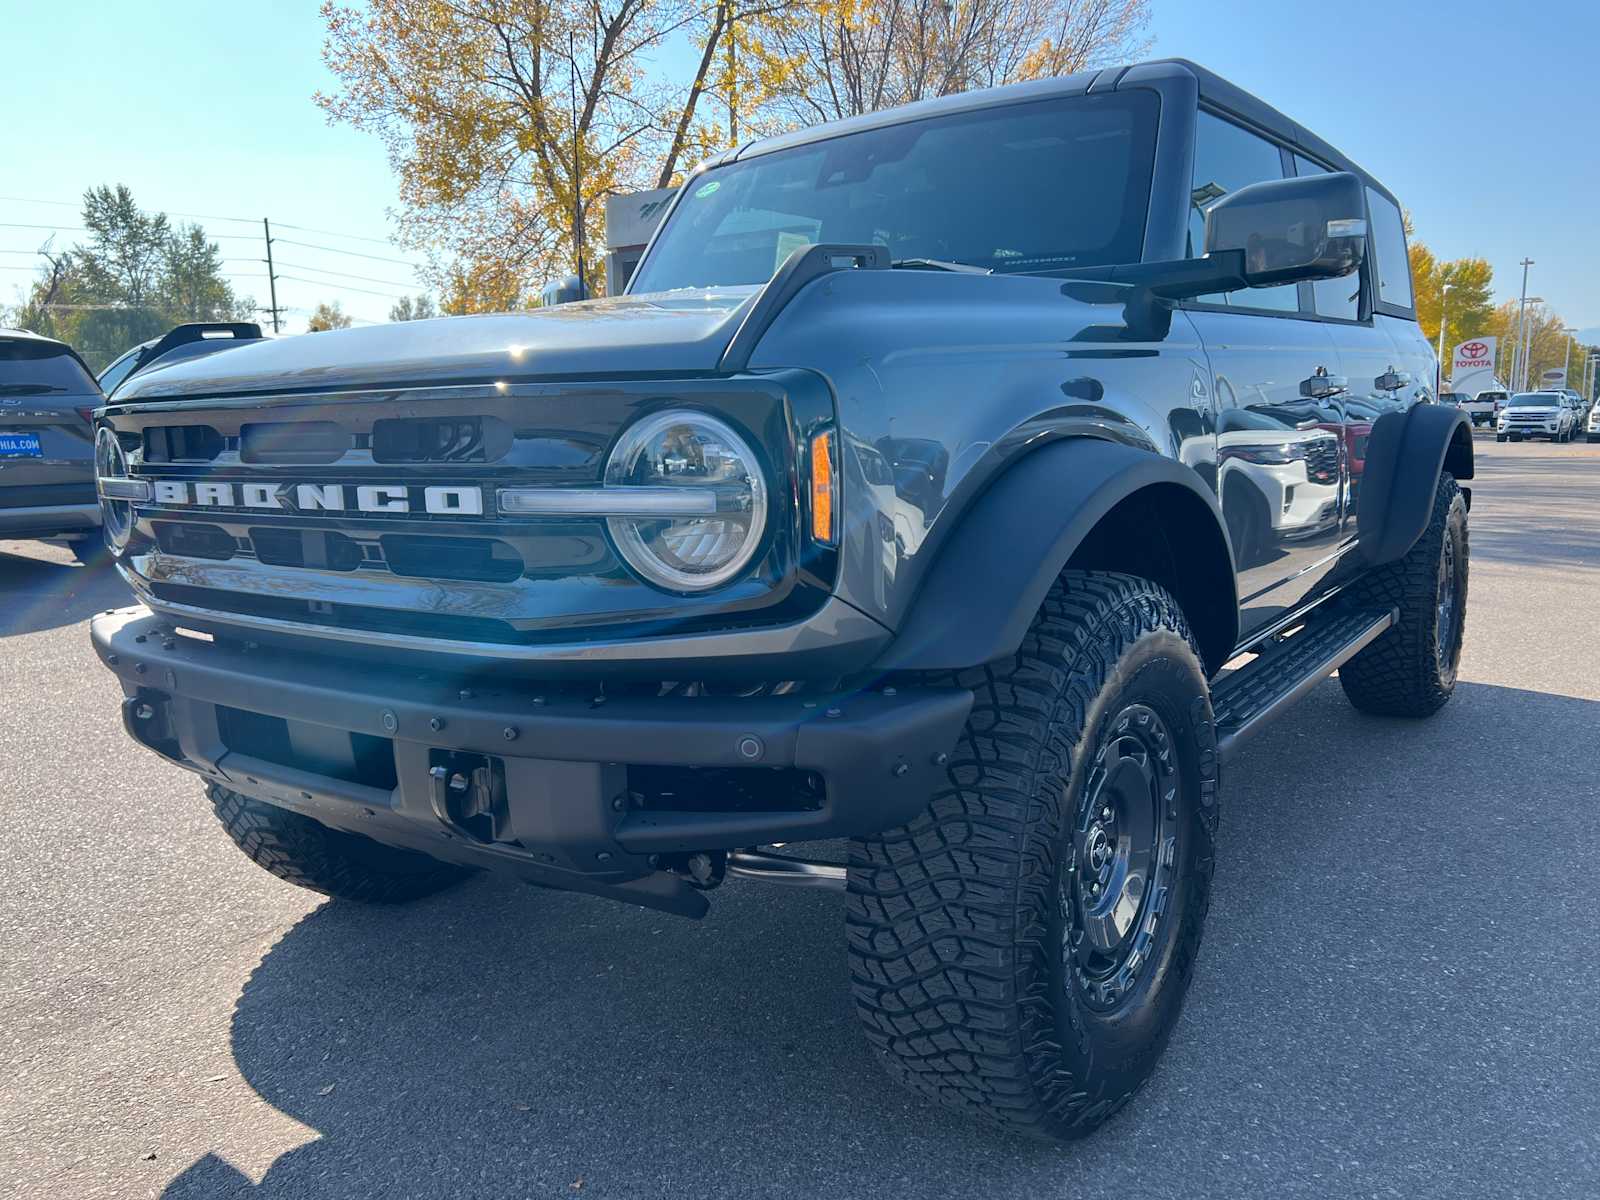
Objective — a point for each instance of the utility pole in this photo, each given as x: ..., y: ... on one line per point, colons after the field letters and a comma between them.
x: 1522, y: 308
x: 272, y: 279
x: 1444, y: 309
x: 1566, y: 362
x: 577, y: 169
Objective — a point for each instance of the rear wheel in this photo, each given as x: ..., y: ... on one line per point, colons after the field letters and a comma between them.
x: 1021, y: 950
x: 309, y: 854
x: 1410, y: 671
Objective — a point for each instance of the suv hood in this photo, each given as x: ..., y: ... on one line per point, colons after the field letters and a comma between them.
x: 680, y: 333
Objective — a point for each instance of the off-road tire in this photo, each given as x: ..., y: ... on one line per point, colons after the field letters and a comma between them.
x: 309, y: 854
x: 958, y: 922
x: 1408, y: 671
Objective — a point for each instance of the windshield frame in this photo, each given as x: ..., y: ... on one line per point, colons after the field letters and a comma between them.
x: 1148, y: 127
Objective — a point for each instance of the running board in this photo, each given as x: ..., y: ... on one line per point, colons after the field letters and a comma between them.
x: 1243, y: 701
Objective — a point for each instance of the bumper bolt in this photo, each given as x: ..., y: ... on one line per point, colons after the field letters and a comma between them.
x: 901, y: 768
x: 538, y: 700
x: 390, y: 721
x: 465, y: 693
x: 140, y: 638
x: 619, y: 803
x: 435, y: 724
x: 940, y: 759
x: 138, y: 668
x: 112, y: 660
x: 889, y: 691
x: 604, y: 856
x: 509, y: 733
x: 144, y: 712
x: 1105, y: 813
x: 751, y: 747
x: 836, y: 712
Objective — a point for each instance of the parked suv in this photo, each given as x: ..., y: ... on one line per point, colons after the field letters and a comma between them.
x: 47, y: 443
x: 1536, y: 414
x: 891, y: 504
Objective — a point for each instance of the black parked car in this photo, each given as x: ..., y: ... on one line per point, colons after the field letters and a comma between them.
x: 197, y: 339
x: 47, y: 398
x: 896, y: 501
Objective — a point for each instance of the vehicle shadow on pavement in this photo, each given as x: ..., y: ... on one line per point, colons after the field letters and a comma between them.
x: 502, y: 1041
x: 50, y: 590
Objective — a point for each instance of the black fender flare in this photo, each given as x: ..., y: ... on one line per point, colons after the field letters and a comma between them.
x: 994, y: 569
x: 1406, y: 452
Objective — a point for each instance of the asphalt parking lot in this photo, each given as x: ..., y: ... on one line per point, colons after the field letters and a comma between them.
x: 1399, y: 993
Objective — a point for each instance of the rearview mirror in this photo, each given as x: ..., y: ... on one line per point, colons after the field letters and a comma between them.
x: 1290, y: 230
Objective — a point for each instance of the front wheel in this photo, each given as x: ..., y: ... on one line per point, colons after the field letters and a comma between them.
x: 1021, y: 950
x: 309, y: 854
x: 1410, y: 671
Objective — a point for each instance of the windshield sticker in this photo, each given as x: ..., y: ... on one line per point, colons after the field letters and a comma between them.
x: 707, y: 189
x: 788, y: 243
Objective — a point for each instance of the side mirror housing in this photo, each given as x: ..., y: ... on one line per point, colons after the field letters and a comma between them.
x: 1290, y: 230
x: 566, y: 291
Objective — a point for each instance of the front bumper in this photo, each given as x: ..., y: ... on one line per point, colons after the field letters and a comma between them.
x: 49, y: 520
x: 369, y: 749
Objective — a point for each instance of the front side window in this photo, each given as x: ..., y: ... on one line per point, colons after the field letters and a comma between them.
x: 1334, y: 297
x: 1047, y: 185
x: 1392, y: 264
x: 1228, y: 157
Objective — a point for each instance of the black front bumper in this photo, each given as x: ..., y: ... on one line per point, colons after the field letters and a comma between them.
x: 370, y: 749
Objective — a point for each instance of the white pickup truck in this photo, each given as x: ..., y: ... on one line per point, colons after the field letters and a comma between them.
x: 1479, y: 406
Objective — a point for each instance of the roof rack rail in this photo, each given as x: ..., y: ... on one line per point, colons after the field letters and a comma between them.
x: 199, y: 331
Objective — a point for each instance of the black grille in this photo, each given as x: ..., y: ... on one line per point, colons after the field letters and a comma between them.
x: 293, y: 442
x: 321, y: 549
x: 182, y: 443
x: 194, y: 540
x: 1322, y: 460
x: 442, y: 440
x: 422, y: 557
x: 340, y: 616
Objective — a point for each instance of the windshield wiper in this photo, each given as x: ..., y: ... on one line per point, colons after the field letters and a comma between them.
x: 938, y: 264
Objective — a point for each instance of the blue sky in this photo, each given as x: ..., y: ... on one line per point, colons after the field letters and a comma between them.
x: 1483, y: 118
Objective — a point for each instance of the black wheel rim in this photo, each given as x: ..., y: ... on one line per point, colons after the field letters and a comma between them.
x: 1118, y: 873
x: 1448, y: 605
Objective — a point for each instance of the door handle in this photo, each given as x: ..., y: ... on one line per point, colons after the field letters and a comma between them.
x: 1322, y: 385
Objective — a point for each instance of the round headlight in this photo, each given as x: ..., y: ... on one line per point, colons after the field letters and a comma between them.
x: 722, y: 486
x: 116, y: 516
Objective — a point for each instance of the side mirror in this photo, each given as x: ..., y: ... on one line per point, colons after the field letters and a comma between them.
x: 566, y: 291
x: 1392, y: 380
x: 1290, y: 230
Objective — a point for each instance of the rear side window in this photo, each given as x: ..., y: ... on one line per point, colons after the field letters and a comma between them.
x: 119, y: 370
x: 1228, y: 157
x: 1389, y: 251
x: 30, y: 368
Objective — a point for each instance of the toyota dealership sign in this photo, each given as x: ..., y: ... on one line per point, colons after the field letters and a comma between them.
x: 1472, y: 365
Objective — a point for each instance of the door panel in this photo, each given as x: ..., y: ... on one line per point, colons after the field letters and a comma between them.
x: 1281, y: 476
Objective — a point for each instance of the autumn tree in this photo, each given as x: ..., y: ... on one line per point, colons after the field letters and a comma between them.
x: 840, y: 58
x: 327, y: 316
x: 507, y: 121
x: 1469, y: 308
x: 408, y: 308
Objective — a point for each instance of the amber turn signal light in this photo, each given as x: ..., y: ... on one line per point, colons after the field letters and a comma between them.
x: 824, y: 491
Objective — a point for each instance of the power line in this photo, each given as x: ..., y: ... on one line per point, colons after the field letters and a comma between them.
x: 342, y: 274
x: 355, y: 237
x: 344, y: 287
x: 351, y: 253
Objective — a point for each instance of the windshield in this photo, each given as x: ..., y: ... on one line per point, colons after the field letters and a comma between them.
x: 1047, y: 185
x: 1536, y: 400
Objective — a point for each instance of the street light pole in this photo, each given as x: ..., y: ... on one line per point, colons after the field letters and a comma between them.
x: 1527, y: 344
x: 1444, y: 309
x: 1522, y: 310
x: 1566, y: 362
